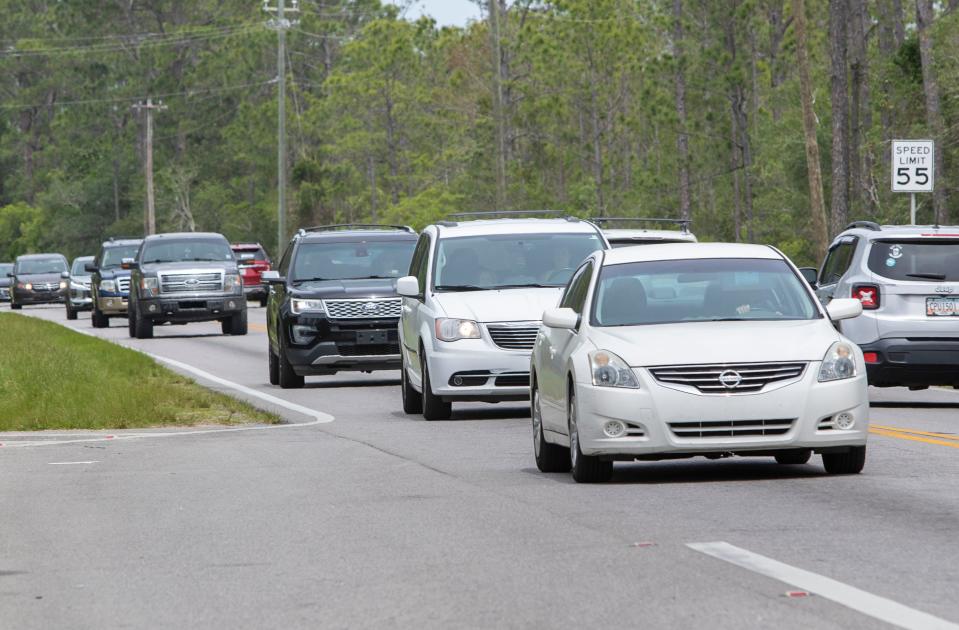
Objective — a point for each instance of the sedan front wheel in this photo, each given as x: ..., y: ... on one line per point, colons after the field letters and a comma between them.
x: 549, y: 457
x: 585, y: 468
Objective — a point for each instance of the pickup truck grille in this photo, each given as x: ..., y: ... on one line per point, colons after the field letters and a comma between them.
x: 123, y: 284
x: 514, y: 337
x: 388, y: 308
x: 191, y: 282
x: 733, y: 378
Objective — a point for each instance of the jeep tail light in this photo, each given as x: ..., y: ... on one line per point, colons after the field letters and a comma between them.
x: 868, y: 294
x: 871, y: 357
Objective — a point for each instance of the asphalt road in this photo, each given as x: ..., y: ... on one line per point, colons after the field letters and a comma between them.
x: 378, y: 519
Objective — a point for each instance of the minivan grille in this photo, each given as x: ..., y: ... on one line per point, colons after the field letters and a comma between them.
x: 729, y: 378
x: 731, y: 428
x: 211, y: 282
x: 522, y: 337
x: 364, y: 309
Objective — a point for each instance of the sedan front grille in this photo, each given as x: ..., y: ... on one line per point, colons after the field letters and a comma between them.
x: 364, y: 309
x: 514, y: 337
x: 731, y: 428
x: 728, y: 378
x: 46, y: 286
x: 191, y: 282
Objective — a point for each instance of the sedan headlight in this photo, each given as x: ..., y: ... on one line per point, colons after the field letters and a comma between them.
x: 298, y: 306
x: 609, y: 370
x: 110, y: 286
x: 25, y: 285
x: 448, y: 329
x: 839, y: 363
x: 150, y: 286
x: 63, y: 284
x: 232, y: 283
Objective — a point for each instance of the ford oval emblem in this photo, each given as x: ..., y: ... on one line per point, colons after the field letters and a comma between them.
x: 944, y: 289
x: 730, y: 379
x: 191, y: 282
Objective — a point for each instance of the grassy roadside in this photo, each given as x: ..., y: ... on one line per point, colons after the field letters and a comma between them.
x: 54, y: 378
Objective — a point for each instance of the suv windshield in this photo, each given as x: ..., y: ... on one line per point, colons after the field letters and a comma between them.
x: 41, y: 265
x: 352, y: 260
x: 508, y: 261
x: 78, y: 266
x: 113, y: 256
x: 720, y: 289
x: 187, y: 250
x: 916, y: 260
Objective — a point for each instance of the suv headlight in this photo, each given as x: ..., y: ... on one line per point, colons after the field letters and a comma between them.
x: 63, y: 284
x: 298, y: 306
x: 150, y: 286
x: 609, y: 370
x: 455, y: 329
x: 110, y: 286
x: 232, y: 283
x: 839, y: 363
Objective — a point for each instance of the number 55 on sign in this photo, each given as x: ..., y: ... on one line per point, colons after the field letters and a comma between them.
x: 912, y: 165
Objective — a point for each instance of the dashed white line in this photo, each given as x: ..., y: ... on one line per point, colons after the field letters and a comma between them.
x: 95, y: 461
x: 849, y: 596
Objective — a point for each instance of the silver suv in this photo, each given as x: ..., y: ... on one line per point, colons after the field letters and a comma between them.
x: 907, y: 278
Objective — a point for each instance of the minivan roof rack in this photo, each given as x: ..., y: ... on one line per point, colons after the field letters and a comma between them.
x: 354, y: 226
x: 509, y: 213
x: 866, y: 225
x: 682, y: 223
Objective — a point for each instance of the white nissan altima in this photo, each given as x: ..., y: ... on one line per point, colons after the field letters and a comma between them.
x: 682, y: 350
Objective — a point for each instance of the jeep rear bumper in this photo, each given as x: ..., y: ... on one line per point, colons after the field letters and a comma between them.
x: 905, y: 362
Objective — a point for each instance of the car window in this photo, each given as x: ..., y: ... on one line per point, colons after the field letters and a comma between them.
x: 915, y: 260
x: 420, y: 262
x: 189, y: 249
x: 112, y: 257
x: 575, y: 296
x: 79, y: 266
x: 5, y: 269
x: 285, y: 260
x: 250, y: 253
x: 41, y: 265
x: 352, y: 260
x: 721, y: 289
x: 837, y: 261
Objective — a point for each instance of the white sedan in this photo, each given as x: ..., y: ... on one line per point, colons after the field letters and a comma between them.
x: 682, y: 350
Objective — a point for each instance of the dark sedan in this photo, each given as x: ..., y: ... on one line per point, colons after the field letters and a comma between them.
x: 38, y: 279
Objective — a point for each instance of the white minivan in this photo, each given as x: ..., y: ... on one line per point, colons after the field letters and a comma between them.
x: 473, y: 303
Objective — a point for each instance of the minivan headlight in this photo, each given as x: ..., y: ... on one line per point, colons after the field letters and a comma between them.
x: 839, y: 363
x: 298, y: 306
x: 450, y: 329
x: 609, y: 370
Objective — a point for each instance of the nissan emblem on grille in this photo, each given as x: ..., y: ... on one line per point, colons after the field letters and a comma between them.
x: 731, y: 379
x: 740, y: 378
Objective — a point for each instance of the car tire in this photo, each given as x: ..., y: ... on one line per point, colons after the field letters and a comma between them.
x: 98, y: 319
x: 71, y: 314
x: 850, y: 463
x: 550, y: 458
x: 274, y: 367
x: 235, y: 325
x: 142, y: 327
x: 585, y: 468
x: 15, y: 307
x: 794, y: 457
x: 263, y: 302
x: 131, y: 321
x: 412, y: 399
x: 286, y: 377
x: 434, y: 407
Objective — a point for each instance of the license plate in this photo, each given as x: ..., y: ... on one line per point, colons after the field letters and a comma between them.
x: 942, y: 306
x: 372, y: 337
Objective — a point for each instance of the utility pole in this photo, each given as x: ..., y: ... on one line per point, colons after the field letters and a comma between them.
x: 150, y: 222
x: 498, y: 107
x: 281, y: 24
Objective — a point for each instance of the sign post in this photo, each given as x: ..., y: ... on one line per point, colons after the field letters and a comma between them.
x: 913, y: 169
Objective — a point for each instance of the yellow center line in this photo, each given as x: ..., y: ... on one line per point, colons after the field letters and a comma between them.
x: 914, y: 438
x: 258, y: 327
x: 941, y: 436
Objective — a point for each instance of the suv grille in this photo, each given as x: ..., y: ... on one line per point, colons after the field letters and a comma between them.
x: 732, y: 378
x: 730, y: 428
x: 509, y: 337
x: 363, y: 309
x: 123, y: 284
x: 211, y: 282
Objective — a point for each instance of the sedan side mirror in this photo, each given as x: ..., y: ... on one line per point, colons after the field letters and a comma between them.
x: 810, y: 275
x: 844, y: 308
x: 408, y: 286
x: 562, y: 318
x: 90, y: 267
x: 272, y: 277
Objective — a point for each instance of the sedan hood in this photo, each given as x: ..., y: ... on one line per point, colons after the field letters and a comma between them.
x: 717, y: 342
x: 38, y: 277
x: 355, y: 289
x: 503, y: 305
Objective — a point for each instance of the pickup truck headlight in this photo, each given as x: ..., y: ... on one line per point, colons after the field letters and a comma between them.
x: 298, y: 306
x: 232, y: 283
x: 456, y: 329
x: 150, y: 286
x: 609, y: 370
x: 110, y: 286
x: 839, y: 363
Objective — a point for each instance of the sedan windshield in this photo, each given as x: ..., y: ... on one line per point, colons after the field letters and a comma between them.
x: 352, y: 260
x: 113, y: 256
x: 41, y: 265
x: 720, y: 289
x: 187, y: 250
x: 509, y: 261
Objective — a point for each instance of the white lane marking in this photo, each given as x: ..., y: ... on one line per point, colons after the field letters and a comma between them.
x: 866, y: 603
x: 95, y: 461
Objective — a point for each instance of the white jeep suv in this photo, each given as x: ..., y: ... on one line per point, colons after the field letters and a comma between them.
x: 472, y: 306
x: 681, y: 350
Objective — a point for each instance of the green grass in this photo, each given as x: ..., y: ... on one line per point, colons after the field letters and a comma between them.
x: 54, y: 378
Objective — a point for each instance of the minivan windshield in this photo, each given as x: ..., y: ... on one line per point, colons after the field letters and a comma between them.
x: 352, y: 260
x: 187, y: 250
x: 717, y: 289
x: 41, y: 265
x: 923, y: 260
x: 113, y: 256
x: 510, y: 261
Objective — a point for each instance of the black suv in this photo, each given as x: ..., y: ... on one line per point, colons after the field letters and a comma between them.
x: 186, y: 277
x: 110, y: 279
x: 333, y: 303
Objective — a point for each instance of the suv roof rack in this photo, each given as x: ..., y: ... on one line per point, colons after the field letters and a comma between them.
x: 682, y: 223
x: 506, y: 214
x: 866, y: 225
x: 354, y: 226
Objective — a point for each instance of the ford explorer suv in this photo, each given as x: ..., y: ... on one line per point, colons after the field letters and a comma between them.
x: 185, y: 277
x: 333, y: 304
x: 629, y: 231
x: 473, y: 303
x: 5, y: 270
x: 78, y: 293
x: 38, y: 279
x: 252, y: 261
x: 111, y: 279
x: 907, y: 278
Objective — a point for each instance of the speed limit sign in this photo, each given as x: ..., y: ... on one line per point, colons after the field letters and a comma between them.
x: 913, y: 165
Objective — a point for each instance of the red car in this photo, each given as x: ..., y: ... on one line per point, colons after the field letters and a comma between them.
x: 252, y: 260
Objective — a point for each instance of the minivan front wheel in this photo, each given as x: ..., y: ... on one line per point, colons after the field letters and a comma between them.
x: 849, y: 463
x: 434, y: 407
x: 585, y: 468
x: 412, y: 399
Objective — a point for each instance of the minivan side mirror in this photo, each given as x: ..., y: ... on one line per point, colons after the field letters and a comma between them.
x: 408, y: 286
x: 843, y: 308
x: 272, y: 277
x: 90, y: 267
x: 563, y: 318
x: 810, y: 275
